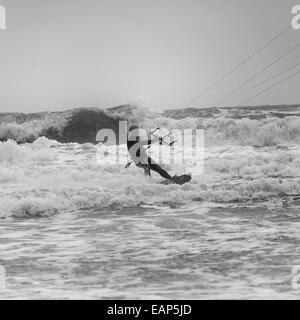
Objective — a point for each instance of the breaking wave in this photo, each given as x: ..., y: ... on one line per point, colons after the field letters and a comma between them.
x: 220, y: 127
x: 20, y: 132
x: 271, y: 131
x: 46, y: 178
x: 55, y: 169
x: 79, y: 125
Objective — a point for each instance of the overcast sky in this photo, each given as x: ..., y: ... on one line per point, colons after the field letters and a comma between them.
x: 61, y: 54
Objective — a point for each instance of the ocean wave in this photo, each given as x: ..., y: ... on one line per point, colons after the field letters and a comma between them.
x: 78, y: 125
x: 20, y: 132
x: 46, y: 178
x: 28, y: 207
x: 271, y: 131
x: 220, y: 126
x: 39, y: 151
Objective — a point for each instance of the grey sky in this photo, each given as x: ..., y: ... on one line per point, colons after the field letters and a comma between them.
x: 62, y: 54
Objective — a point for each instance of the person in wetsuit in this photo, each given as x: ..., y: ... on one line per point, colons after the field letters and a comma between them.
x: 138, y: 154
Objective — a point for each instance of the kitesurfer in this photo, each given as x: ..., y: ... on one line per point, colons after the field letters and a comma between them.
x: 138, y: 154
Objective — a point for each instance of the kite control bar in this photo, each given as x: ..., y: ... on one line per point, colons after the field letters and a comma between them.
x: 161, y: 139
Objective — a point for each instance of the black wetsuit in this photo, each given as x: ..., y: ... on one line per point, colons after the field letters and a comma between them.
x: 150, y: 163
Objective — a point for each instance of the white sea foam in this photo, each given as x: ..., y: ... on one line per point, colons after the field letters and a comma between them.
x: 46, y: 178
x: 223, y: 130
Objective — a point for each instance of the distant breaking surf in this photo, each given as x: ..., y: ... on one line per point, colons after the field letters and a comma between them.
x: 255, y: 126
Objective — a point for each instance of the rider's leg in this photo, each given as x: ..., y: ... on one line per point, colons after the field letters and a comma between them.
x: 157, y: 168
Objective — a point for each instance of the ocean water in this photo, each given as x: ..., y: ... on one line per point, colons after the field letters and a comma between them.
x: 72, y: 227
x: 143, y: 253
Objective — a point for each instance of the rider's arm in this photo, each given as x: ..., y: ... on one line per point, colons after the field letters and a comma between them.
x: 144, y: 141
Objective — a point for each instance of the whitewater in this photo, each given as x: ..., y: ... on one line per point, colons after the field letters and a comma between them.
x: 73, y: 227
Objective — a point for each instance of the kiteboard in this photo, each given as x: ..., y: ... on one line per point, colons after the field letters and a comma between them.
x: 178, y: 180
